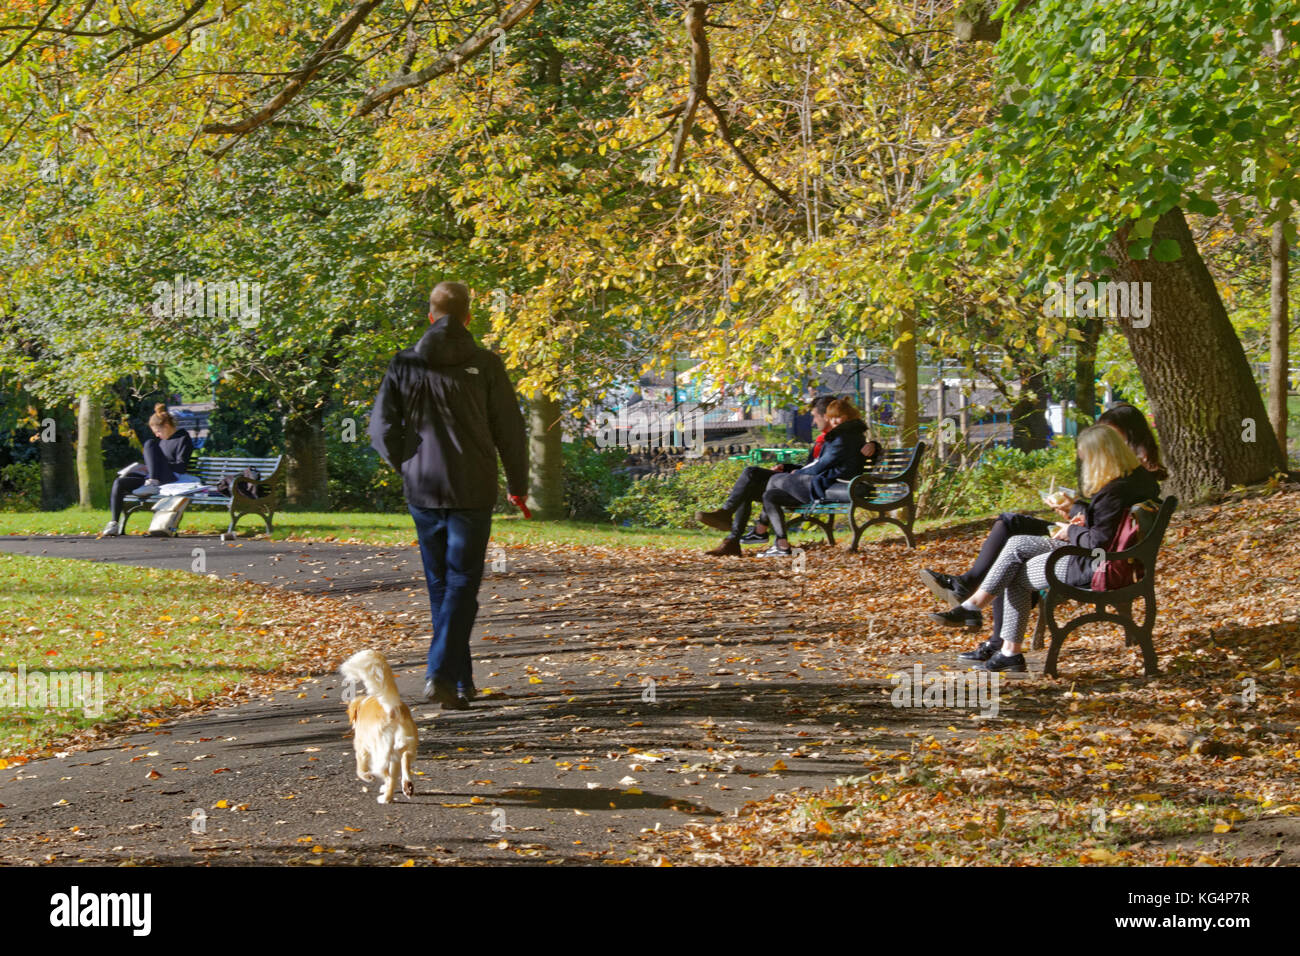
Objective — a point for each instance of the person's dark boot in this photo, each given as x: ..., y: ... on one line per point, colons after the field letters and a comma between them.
x: 944, y: 586
x: 730, y: 548
x: 983, y: 652
x: 720, y: 519
x: 436, y: 693
x: 1004, y: 662
x: 959, y: 617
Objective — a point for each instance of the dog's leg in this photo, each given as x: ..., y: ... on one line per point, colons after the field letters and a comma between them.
x: 363, y: 769
x: 390, y: 781
x: 408, y: 786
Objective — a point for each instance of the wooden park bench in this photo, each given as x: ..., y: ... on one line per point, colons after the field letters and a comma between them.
x: 1121, y: 599
x: 889, y: 487
x: 210, y: 471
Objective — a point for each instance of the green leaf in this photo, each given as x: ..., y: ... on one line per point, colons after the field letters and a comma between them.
x: 1167, y: 250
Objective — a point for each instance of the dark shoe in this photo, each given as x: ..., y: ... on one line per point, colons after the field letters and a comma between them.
x: 730, y: 548
x: 1003, y: 662
x: 959, y: 617
x: 719, y: 519
x: 944, y: 586
x: 754, y: 536
x: 982, y: 653
x: 436, y: 693
x: 467, y: 693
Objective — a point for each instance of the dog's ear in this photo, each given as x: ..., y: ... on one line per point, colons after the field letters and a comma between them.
x: 354, y: 706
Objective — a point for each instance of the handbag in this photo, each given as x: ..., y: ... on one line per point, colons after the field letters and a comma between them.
x: 1112, y: 575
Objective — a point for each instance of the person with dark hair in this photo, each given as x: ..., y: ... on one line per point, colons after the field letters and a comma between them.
x: 734, y: 514
x: 445, y: 409
x: 1133, y: 427
x: 954, y: 588
x: 166, y: 457
x: 845, y: 455
x: 1117, y: 481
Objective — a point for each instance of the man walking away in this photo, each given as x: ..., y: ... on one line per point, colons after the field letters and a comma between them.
x: 444, y: 410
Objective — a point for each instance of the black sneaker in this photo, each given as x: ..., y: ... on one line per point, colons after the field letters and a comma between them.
x: 959, y: 617
x: 982, y: 653
x: 467, y: 692
x: 752, y: 536
x: 436, y: 693
x: 944, y: 586
x: 1003, y: 662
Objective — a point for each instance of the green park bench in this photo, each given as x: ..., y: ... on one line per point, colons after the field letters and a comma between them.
x: 888, y: 488
x: 210, y: 471
x: 1154, y: 524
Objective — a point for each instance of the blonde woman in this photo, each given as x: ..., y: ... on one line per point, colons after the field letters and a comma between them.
x: 1115, y: 480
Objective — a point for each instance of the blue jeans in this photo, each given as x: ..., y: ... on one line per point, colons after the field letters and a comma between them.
x: 453, y: 545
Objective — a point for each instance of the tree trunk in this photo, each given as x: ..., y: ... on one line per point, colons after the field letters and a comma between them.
x: 545, y: 458
x: 58, y: 460
x: 907, y: 395
x: 1205, y: 405
x: 1085, y: 372
x: 307, y: 475
x: 91, y: 490
x: 1029, y: 430
x: 1279, y: 334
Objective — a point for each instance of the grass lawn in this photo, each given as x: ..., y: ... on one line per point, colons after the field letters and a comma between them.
x: 397, y: 529
x: 160, y: 639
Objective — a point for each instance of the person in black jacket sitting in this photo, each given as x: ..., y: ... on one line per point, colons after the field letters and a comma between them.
x: 955, y: 588
x: 842, y: 457
x: 166, y: 457
x: 1116, y: 481
x: 749, y: 488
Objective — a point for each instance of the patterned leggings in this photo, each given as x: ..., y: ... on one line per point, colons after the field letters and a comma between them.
x: 1019, y: 571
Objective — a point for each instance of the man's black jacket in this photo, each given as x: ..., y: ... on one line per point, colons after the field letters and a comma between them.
x: 444, y: 410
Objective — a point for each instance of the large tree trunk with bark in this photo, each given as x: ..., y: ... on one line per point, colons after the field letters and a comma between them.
x: 1279, y: 334
x: 1029, y: 428
x: 307, y: 475
x: 91, y: 490
x: 1207, y: 409
x: 1085, y: 371
x: 58, y: 459
x: 546, y: 458
x: 907, y: 394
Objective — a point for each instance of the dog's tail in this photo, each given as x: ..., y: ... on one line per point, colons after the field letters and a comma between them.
x: 370, y: 668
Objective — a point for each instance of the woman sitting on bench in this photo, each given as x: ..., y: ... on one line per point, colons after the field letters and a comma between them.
x: 955, y: 588
x: 841, y: 457
x: 1116, y: 481
x: 166, y: 456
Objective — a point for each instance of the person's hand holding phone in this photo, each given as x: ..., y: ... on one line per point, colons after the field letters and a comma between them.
x: 520, y: 502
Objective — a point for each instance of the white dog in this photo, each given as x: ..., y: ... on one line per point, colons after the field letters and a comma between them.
x: 384, y: 734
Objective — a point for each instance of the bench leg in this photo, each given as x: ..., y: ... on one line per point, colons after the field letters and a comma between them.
x: 907, y: 528
x: 857, y: 528
x: 1040, y: 629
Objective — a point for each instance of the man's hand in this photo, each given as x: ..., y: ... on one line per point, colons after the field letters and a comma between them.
x: 520, y: 502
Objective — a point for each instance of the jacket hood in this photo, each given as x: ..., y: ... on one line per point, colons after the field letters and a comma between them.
x: 447, y: 342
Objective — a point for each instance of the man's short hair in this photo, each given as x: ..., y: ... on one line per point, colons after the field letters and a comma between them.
x: 820, y: 403
x: 450, y: 298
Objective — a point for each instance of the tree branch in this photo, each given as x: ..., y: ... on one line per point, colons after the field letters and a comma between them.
x: 397, y: 85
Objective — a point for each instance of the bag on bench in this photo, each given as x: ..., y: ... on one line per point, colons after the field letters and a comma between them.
x: 246, y: 483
